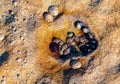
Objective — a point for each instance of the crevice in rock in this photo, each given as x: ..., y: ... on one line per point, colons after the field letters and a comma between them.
x: 4, y: 57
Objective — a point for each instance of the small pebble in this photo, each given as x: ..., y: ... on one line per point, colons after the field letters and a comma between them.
x: 84, y: 49
x: 15, y: 3
x: 61, y: 52
x: 48, y: 17
x: 9, y: 19
x: 54, y: 47
x: 77, y: 39
x: 61, y: 43
x: 64, y: 46
x: 75, y: 64
x: 70, y: 34
x: 56, y: 40
x: 78, y: 24
x: 53, y: 10
x: 69, y: 40
x: 93, y: 40
x: 86, y: 30
x: 73, y: 49
x: 89, y: 35
x: 10, y: 12
x: 73, y: 43
x: 83, y: 40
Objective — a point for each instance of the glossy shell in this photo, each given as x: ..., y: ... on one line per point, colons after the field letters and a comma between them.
x: 75, y: 64
x: 53, y: 10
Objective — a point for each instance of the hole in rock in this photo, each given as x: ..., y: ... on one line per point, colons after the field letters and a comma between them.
x: 4, y: 57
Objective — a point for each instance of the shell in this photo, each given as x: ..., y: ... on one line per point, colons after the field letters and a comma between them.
x: 56, y: 40
x: 66, y: 51
x: 70, y: 34
x: 64, y: 46
x: 78, y: 24
x: 48, y: 17
x: 54, y: 47
x: 75, y: 64
x: 86, y: 30
x: 53, y: 10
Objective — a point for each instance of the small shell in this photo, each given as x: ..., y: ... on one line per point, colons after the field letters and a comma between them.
x: 61, y: 52
x: 66, y: 51
x: 89, y: 35
x: 53, y: 10
x: 70, y: 34
x: 77, y: 39
x: 83, y: 40
x: 73, y: 49
x: 64, y: 46
x: 78, y: 24
x: 69, y: 40
x: 86, y: 30
x: 75, y: 64
x: 84, y: 49
x: 93, y: 46
x: 48, y: 17
x: 54, y: 47
x: 56, y: 40
x: 2, y: 36
x: 61, y: 43
x: 73, y: 43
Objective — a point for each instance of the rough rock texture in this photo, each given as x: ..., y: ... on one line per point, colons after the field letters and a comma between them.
x: 25, y: 57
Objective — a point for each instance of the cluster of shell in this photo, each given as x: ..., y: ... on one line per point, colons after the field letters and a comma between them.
x: 75, y: 45
x: 51, y: 14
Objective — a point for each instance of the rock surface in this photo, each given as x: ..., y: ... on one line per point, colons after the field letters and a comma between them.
x: 25, y: 57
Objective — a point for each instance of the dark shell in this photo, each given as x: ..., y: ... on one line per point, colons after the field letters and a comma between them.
x: 52, y: 8
x: 54, y: 47
x: 89, y: 35
x: 93, y: 46
x: 78, y: 24
x: 10, y: 11
x: 63, y: 58
x: 73, y: 49
x: 86, y: 30
x: 93, y: 40
x: 84, y: 49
